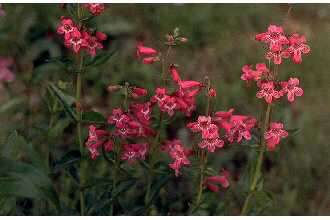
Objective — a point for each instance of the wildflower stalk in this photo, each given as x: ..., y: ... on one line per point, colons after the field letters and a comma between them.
x: 153, y: 151
x: 115, y: 174
x: 257, y: 172
x: 80, y: 61
x: 203, y: 153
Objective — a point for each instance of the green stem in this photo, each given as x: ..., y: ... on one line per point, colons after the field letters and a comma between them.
x: 203, y: 153
x: 257, y: 172
x: 79, y: 133
x: 152, y: 151
x: 80, y: 61
x: 115, y: 174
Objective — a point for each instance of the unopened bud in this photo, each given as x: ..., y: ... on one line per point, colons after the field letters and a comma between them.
x: 114, y: 88
x: 183, y: 39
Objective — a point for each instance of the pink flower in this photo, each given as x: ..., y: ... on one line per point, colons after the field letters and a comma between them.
x: 74, y: 41
x: 91, y: 43
x: 297, y: 47
x: 100, y: 36
x: 250, y: 74
x: 142, y: 112
x: 95, y: 8
x: 291, y: 88
x: 148, y: 54
x: 203, y: 122
x: 138, y: 92
x: 213, y: 182
x: 132, y: 152
x: 188, y: 84
x: 212, y: 92
x: 141, y: 50
x: 98, y: 138
x: 210, y: 132
x: 175, y: 74
x: 276, y: 57
x: 150, y: 60
x: 239, y: 127
x: 160, y: 95
x: 274, y: 37
x: 211, y: 144
x: 169, y: 105
x: 66, y: 27
x: 132, y: 125
x: 6, y: 75
x: 178, y: 153
x: 274, y: 135
x: 268, y: 92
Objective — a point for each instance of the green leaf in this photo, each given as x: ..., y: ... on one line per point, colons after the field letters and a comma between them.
x: 20, y: 179
x: 260, y: 200
x: 58, y: 129
x: 293, y: 132
x: 93, y: 117
x: 156, y: 187
x: 120, y: 188
x: 100, y: 58
x: 65, y: 100
x: 69, y: 159
x: 16, y: 146
x: 10, y: 104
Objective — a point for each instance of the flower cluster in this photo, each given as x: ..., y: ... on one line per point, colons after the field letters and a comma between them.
x: 128, y: 125
x: 134, y: 123
x: 183, y: 99
x: 235, y: 127
x: 178, y: 153
x: 281, y: 46
x: 78, y: 38
x: 95, y: 8
x: 270, y: 88
x: 6, y: 75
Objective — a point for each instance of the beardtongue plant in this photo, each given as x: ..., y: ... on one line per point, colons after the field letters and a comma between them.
x: 132, y: 132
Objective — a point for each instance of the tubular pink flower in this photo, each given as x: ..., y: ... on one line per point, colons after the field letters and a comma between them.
x: 274, y: 37
x: 66, y: 27
x: 97, y: 138
x: 133, y: 152
x: 297, y: 47
x: 213, y: 182
x: 178, y: 153
x: 175, y: 74
x: 268, y: 92
x: 274, y: 135
x: 139, y: 92
x: 91, y: 43
x: 211, y: 144
x: 292, y: 89
x: 95, y: 8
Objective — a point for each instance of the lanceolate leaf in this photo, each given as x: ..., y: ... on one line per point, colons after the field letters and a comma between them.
x: 16, y: 146
x: 156, y: 187
x: 65, y: 100
x: 120, y: 188
x: 67, y: 160
x: 101, y: 58
x: 24, y: 180
x: 93, y: 117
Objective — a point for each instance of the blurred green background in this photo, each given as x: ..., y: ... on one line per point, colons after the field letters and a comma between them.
x: 220, y: 42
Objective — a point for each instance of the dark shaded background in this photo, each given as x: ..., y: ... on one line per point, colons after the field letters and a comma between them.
x: 221, y: 41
